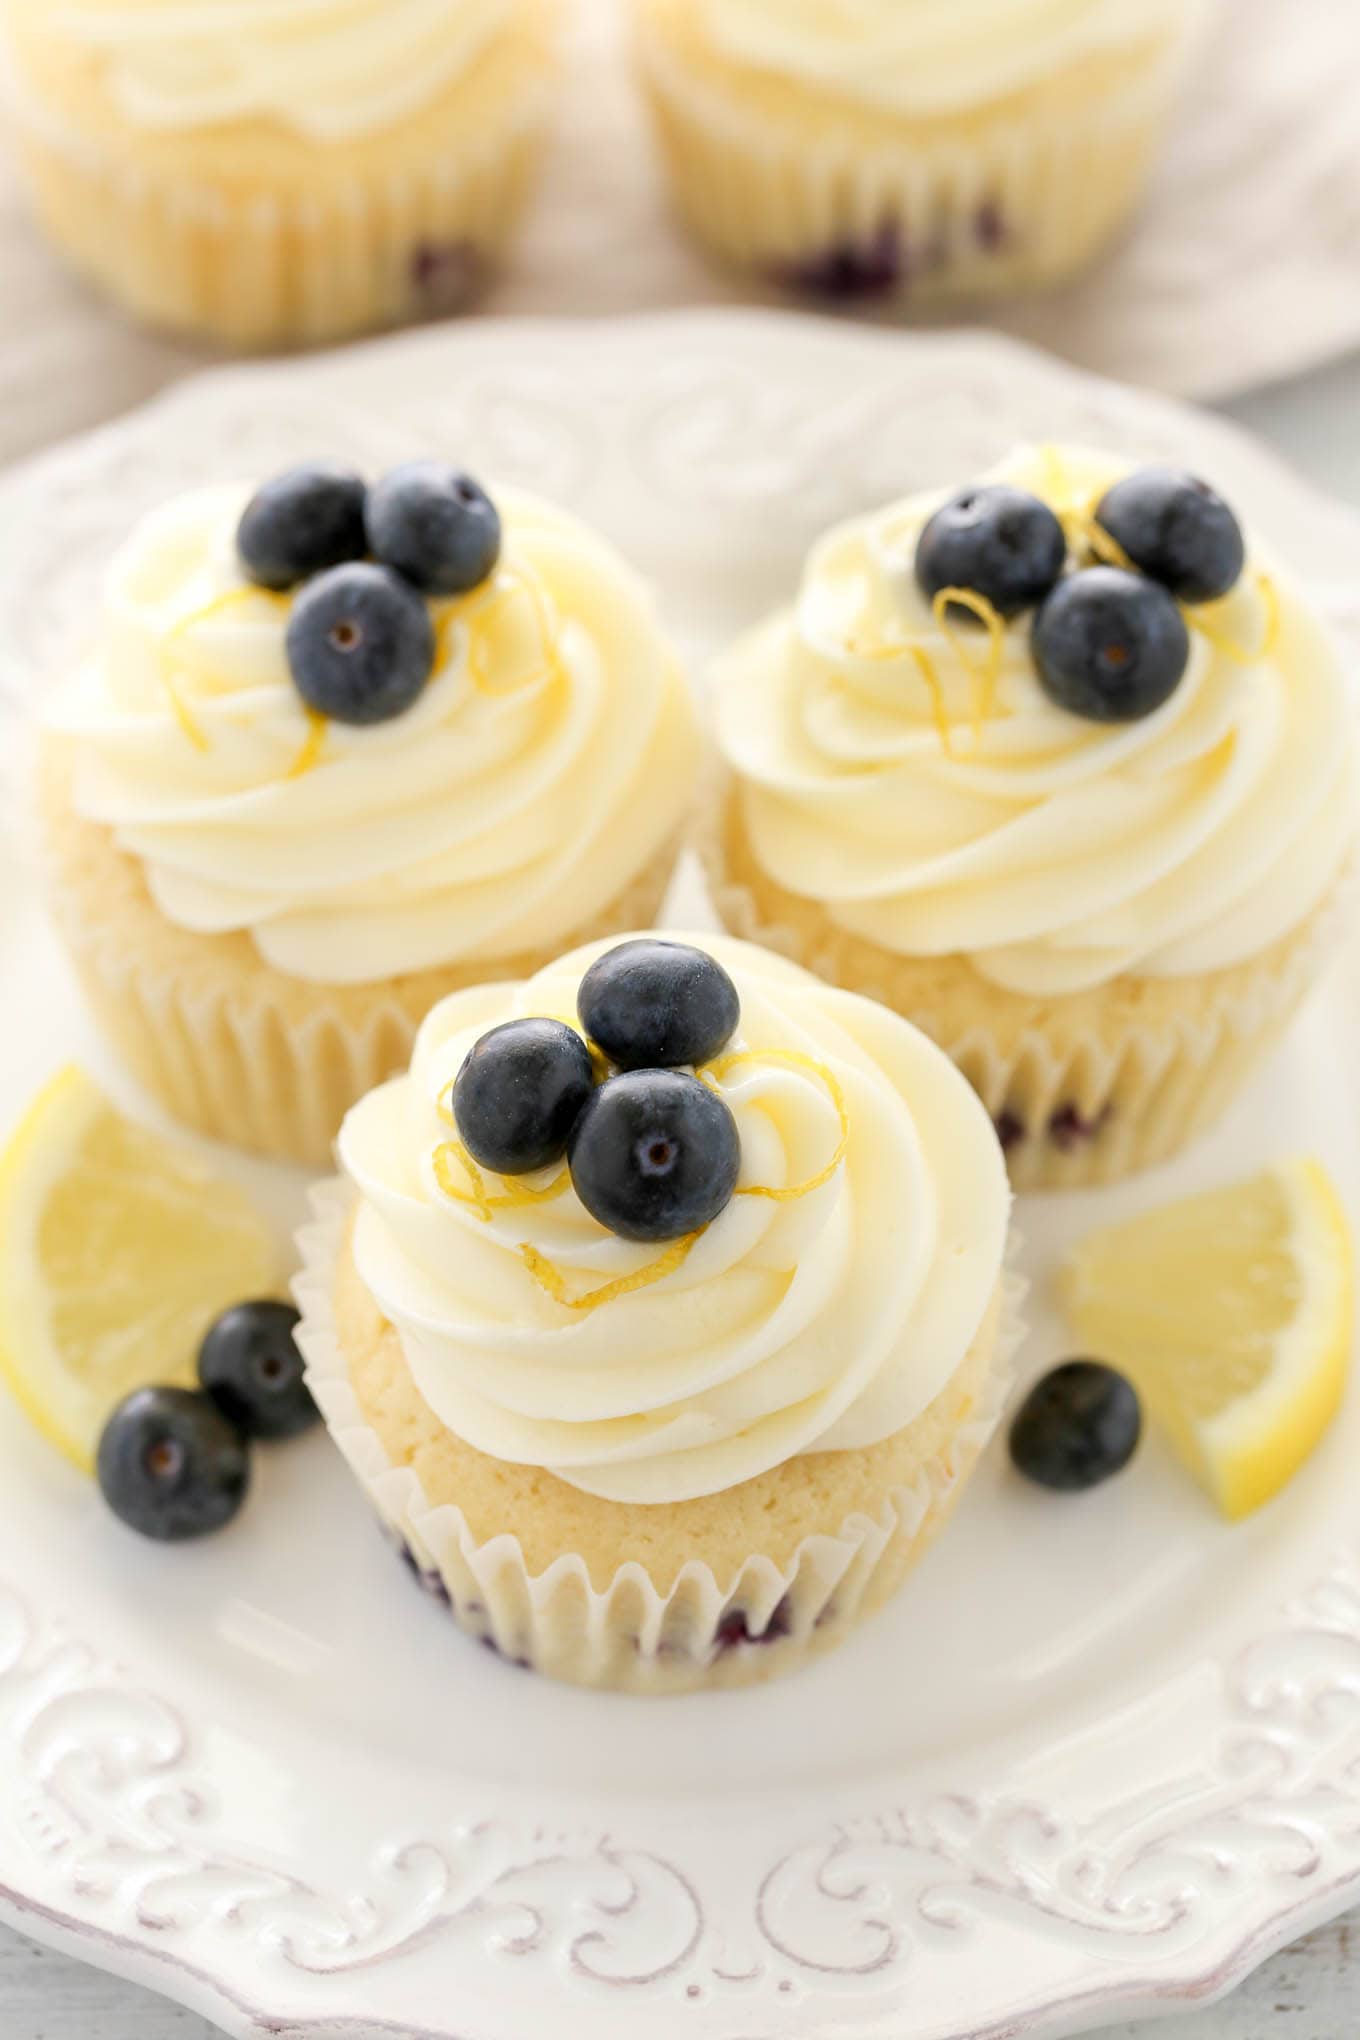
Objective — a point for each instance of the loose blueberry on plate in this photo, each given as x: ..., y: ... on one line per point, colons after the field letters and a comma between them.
x: 654, y: 1155
x: 300, y: 523
x: 1077, y: 1427
x: 436, y: 526
x: 250, y: 1366
x: 1000, y: 542
x: 360, y: 644
x: 654, y: 1005
x: 1176, y: 529
x: 1110, y: 646
x: 520, y: 1091
x: 171, y: 1466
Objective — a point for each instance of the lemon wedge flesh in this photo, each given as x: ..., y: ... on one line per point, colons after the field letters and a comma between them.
x: 117, y: 1250
x: 1232, y: 1313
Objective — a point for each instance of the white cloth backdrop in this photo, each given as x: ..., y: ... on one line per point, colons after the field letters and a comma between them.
x: 1244, y: 266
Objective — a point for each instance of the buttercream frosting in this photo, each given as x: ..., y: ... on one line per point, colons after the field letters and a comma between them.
x: 936, y: 807
x: 329, y: 69
x: 550, y: 757
x: 818, y: 1322
x: 928, y: 56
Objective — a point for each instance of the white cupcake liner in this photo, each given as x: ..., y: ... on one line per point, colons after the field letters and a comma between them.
x: 991, y: 202
x: 1074, y: 1109
x: 631, y: 1636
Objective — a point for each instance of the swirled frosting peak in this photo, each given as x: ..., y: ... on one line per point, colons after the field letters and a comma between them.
x: 549, y: 759
x: 325, y: 68
x: 929, y: 56
x: 914, y: 778
x: 821, y: 1320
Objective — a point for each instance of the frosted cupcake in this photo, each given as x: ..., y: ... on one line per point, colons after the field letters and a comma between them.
x: 338, y: 755
x: 284, y: 170
x: 937, y: 147
x: 1065, y: 771
x: 663, y: 1359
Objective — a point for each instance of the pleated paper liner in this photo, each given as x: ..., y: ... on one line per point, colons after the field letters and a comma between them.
x: 625, y: 1629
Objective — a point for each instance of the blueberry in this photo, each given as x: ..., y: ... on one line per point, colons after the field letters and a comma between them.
x: 1110, y: 646
x: 250, y: 1365
x: 519, y: 1093
x: 1176, y: 529
x: 302, y: 522
x: 171, y: 1466
x: 1079, y: 1426
x: 1001, y: 542
x: 435, y: 525
x: 360, y: 644
x: 654, y: 1155
x: 651, y: 1004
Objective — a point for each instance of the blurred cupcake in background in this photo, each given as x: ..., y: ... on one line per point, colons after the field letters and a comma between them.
x: 271, y: 172
x: 940, y: 147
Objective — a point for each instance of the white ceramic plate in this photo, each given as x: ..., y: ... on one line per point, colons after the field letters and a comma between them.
x: 1101, y: 1755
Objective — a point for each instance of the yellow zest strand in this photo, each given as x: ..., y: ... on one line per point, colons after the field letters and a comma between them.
x: 483, y: 1201
x: 310, y: 754
x: 483, y: 606
x: 1205, y: 620
x: 554, y: 1283
x: 787, y: 1058
x: 1106, y: 549
x: 191, y: 727
x: 903, y: 648
x: 983, y: 674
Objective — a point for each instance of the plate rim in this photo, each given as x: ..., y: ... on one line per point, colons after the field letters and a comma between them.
x: 162, y: 1969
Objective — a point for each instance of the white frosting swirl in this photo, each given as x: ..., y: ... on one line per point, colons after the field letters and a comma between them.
x: 325, y: 68
x: 551, y: 755
x: 928, y: 56
x: 1053, y: 852
x: 821, y: 1323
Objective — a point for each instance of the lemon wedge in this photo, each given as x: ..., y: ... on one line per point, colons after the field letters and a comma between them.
x: 117, y: 1250
x: 1232, y: 1312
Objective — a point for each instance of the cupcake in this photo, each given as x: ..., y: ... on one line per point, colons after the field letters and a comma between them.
x: 940, y: 147
x: 662, y: 1313
x: 337, y: 753
x: 1063, y: 770
x: 288, y: 171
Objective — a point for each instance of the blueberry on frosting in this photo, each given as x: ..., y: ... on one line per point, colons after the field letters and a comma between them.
x: 652, y: 1004
x: 520, y: 1092
x: 655, y: 1155
x: 435, y: 525
x: 301, y: 522
x: 999, y: 542
x: 1109, y: 645
x: 360, y: 644
x: 1177, y: 530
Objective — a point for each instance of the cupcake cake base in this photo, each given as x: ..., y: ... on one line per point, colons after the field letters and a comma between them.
x: 1082, y: 1090
x: 226, y: 1043
x: 727, y: 1590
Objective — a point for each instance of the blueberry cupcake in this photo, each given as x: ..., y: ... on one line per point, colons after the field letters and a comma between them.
x: 284, y: 172
x: 1063, y: 768
x: 338, y: 751
x: 936, y: 147
x: 662, y: 1313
